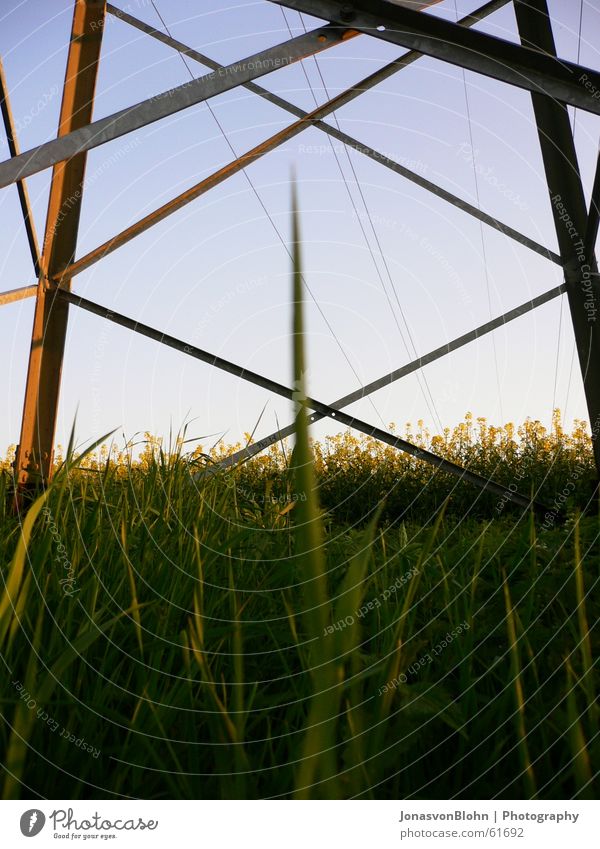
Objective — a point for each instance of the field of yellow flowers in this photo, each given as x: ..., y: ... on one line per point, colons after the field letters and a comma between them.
x: 357, y: 474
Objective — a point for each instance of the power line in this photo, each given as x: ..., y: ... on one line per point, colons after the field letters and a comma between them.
x: 271, y: 221
x: 481, y: 233
x: 426, y: 392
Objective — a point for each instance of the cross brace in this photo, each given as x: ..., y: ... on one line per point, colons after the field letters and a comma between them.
x: 476, y: 51
x: 307, y: 120
x: 324, y: 410
x: 387, y: 380
x: 169, y: 103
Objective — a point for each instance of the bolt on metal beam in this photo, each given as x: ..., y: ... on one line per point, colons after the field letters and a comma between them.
x: 476, y: 51
x: 325, y: 410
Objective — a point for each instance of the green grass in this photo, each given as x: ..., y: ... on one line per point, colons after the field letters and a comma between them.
x: 170, y: 637
x: 200, y: 644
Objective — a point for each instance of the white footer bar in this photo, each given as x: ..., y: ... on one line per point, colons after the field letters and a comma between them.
x: 300, y: 825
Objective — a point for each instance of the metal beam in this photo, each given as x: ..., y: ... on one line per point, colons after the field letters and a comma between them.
x: 342, y: 99
x: 17, y: 294
x: 390, y: 69
x: 285, y: 392
x: 569, y: 211
x: 307, y: 120
x: 33, y: 463
x: 445, y: 195
x: 256, y: 153
x: 387, y: 380
x: 477, y: 51
x: 591, y: 230
x: 87, y: 137
x: 13, y: 146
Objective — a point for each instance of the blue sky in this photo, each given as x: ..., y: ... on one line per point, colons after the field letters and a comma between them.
x: 217, y: 273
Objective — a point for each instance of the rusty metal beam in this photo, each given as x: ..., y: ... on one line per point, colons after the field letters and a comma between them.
x: 237, y: 165
x: 324, y: 410
x: 13, y: 146
x: 33, y: 463
x: 17, y: 294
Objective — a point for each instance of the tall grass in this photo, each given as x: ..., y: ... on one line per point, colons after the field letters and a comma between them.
x: 197, y: 667
x: 211, y: 644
